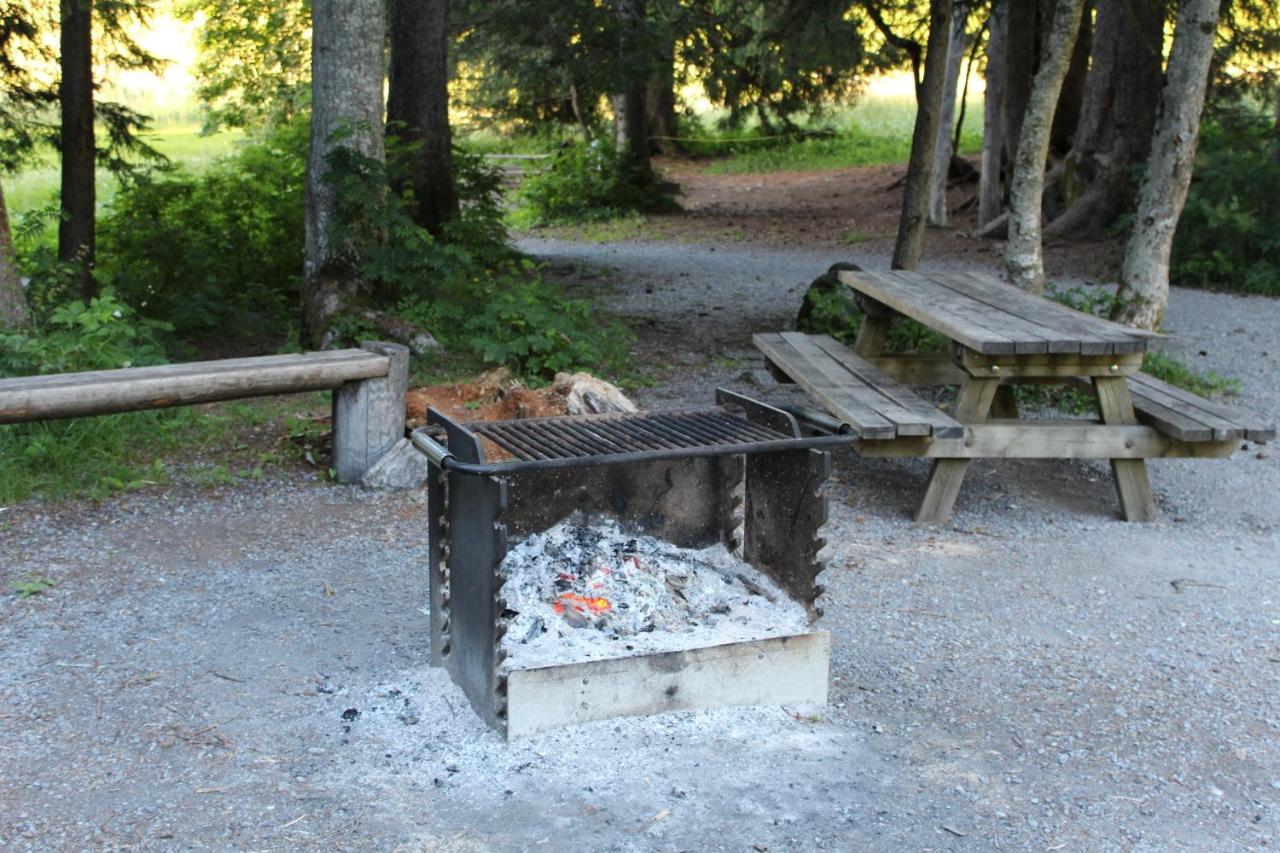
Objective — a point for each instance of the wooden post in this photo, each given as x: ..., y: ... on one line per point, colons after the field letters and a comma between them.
x: 368, y: 415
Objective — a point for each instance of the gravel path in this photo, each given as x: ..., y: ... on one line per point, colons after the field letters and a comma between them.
x: 244, y: 668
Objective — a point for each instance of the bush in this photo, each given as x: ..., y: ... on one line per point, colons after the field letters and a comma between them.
x: 102, y: 335
x: 1227, y: 237
x: 586, y: 183
x: 218, y: 252
x: 471, y: 291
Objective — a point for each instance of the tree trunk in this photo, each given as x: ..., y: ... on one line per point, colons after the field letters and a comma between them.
x: 991, y: 185
x: 1021, y: 50
x: 1144, y: 283
x: 660, y: 105
x: 418, y: 106
x: 942, y: 146
x: 630, y: 125
x: 1066, y: 118
x: 1024, y: 255
x: 14, y: 312
x: 1277, y: 135
x: 76, y: 228
x: 915, y: 195
x: 346, y: 111
x: 1114, y: 134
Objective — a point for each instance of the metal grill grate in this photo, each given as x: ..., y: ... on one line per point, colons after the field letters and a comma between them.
x: 608, y: 435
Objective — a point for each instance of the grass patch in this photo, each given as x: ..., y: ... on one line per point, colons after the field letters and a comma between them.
x: 37, y: 185
x: 97, y: 457
x: 876, y: 131
x: 630, y: 226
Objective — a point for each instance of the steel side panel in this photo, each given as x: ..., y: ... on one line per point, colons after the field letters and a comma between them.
x: 477, y: 547
x: 787, y: 670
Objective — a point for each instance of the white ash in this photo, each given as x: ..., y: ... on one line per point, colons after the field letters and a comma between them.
x: 586, y: 590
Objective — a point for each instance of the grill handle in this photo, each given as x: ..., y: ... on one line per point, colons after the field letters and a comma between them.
x: 436, y: 452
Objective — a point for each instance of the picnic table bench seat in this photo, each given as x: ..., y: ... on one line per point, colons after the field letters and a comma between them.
x: 874, y: 405
x: 1188, y: 417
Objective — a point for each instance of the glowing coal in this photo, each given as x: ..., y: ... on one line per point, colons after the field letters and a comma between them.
x: 586, y: 589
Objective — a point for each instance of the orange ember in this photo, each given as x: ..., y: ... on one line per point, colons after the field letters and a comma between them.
x: 582, y: 603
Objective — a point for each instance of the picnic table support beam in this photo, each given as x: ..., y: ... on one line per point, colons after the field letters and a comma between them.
x: 1115, y: 405
x: 946, y: 475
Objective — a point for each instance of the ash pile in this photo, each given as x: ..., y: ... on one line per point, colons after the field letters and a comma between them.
x: 586, y: 589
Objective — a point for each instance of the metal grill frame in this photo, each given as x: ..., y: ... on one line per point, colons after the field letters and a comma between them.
x: 754, y: 484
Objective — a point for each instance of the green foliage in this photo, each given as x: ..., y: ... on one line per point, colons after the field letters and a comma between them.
x: 773, y: 60
x: 469, y: 290
x: 1101, y: 302
x: 832, y: 310
x: 99, y: 454
x: 532, y: 328
x: 102, y: 335
x: 254, y: 64
x: 1227, y: 237
x: 217, y: 251
x: 1167, y: 368
x: 584, y: 183
x: 32, y: 586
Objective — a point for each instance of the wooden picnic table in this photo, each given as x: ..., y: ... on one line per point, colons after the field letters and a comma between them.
x: 1000, y: 336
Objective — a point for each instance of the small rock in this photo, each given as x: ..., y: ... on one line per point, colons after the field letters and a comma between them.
x: 586, y: 395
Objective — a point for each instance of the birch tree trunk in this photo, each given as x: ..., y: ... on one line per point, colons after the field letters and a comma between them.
x: 942, y: 146
x: 1144, y: 283
x: 77, y: 241
x: 418, y: 106
x: 909, y: 245
x: 1024, y: 253
x: 14, y: 312
x: 990, y: 185
x: 346, y: 111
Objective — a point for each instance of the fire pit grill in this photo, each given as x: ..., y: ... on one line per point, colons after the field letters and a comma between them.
x: 741, y: 474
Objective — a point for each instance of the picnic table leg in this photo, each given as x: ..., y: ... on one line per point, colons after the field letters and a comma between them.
x: 874, y: 331
x: 1115, y: 404
x: 946, y: 475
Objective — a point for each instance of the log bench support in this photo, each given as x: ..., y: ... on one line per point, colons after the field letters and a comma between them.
x: 368, y: 385
x: 369, y: 415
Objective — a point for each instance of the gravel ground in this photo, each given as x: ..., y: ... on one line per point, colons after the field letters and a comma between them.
x: 244, y: 668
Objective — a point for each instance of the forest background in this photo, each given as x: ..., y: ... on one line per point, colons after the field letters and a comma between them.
x: 217, y: 177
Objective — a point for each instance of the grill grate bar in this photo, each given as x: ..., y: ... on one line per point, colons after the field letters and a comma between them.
x: 514, y: 442
x: 545, y: 439
x: 634, y: 435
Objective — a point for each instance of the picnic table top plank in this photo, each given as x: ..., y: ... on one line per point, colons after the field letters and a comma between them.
x: 1095, y: 334
x: 992, y: 317
x: 1029, y: 338
x: 948, y: 315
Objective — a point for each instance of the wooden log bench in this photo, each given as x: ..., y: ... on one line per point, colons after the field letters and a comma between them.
x: 368, y: 385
